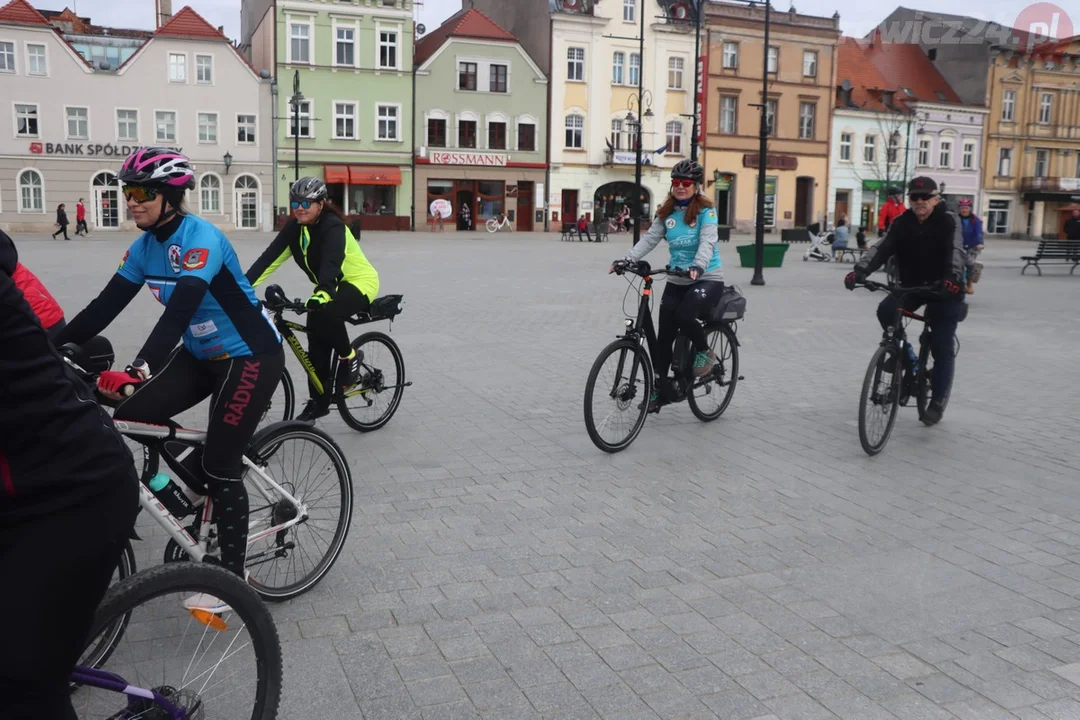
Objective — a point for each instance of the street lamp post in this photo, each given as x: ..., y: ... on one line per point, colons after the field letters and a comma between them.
x: 643, y: 98
x: 699, y: 73
x: 296, y: 101
x: 763, y: 136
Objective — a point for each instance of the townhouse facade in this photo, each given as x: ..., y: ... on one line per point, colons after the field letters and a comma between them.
x: 801, y: 71
x: 480, y: 125
x: 183, y: 85
x: 342, y: 98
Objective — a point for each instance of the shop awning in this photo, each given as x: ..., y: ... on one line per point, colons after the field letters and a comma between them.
x: 336, y: 173
x: 374, y: 175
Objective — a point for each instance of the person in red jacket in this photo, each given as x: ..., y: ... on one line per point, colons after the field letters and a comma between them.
x: 44, y: 305
x: 80, y: 219
x: 892, y: 209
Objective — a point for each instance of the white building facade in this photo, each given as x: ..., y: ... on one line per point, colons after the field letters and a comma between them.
x: 595, y: 64
x: 66, y: 126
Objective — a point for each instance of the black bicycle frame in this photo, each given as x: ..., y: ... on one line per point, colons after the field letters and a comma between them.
x: 288, y: 330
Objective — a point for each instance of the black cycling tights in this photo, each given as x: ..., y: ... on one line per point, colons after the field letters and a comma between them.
x: 327, y: 333
x: 680, y: 309
x: 240, y: 389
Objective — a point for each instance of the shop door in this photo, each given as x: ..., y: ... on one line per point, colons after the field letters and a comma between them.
x: 804, y: 188
x: 106, y: 201
x: 569, y: 206
x: 246, y: 202
x: 525, y: 206
x: 841, y: 206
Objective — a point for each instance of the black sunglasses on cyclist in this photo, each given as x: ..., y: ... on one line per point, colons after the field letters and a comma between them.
x: 138, y: 193
x: 915, y: 197
x: 306, y: 204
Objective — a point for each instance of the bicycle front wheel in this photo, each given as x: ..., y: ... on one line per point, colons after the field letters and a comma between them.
x: 492, y: 226
x: 374, y: 399
x: 617, y: 395
x: 880, y: 399
x: 221, y: 665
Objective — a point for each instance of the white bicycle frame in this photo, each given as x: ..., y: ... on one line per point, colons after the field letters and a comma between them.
x: 500, y: 225
x: 196, y: 549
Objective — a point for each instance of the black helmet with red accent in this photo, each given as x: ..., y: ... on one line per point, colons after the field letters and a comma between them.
x: 688, y: 170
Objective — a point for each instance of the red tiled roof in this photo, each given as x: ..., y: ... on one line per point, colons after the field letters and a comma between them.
x: 20, y: 11
x: 188, y: 23
x: 468, y: 23
x: 905, y: 65
x: 853, y: 65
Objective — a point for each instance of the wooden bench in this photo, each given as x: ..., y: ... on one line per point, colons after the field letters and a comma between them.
x: 855, y: 253
x: 597, y: 233
x: 1065, y: 251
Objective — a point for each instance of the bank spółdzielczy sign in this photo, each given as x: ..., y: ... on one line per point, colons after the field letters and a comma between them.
x: 88, y: 149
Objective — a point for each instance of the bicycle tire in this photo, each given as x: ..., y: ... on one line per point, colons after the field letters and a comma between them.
x: 492, y: 226
x: 869, y: 383
x: 924, y: 382
x: 732, y: 372
x: 399, y: 388
x: 274, y: 437
x: 289, y: 392
x: 122, y: 599
x: 642, y: 363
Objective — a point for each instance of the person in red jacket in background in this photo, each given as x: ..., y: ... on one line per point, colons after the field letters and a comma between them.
x: 80, y: 219
x: 892, y: 209
x: 41, y: 301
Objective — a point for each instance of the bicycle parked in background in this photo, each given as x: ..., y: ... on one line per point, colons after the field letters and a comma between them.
x: 497, y: 224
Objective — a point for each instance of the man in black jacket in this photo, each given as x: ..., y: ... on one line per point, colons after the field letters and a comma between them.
x: 928, y: 243
x: 1072, y: 226
x: 68, y: 499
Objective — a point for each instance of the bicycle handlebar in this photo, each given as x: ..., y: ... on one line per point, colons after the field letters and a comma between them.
x: 276, y: 302
x: 642, y: 268
x: 875, y: 286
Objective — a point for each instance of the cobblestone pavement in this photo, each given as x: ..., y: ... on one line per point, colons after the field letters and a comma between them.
x: 761, y: 566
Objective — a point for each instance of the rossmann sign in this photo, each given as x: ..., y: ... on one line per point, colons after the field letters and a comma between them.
x: 466, y: 158
x: 85, y: 149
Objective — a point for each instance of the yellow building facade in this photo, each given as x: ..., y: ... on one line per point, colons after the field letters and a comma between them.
x: 1031, y: 156
x: 802, y: 79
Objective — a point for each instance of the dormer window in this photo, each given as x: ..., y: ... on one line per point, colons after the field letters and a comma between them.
x: 887, y: 98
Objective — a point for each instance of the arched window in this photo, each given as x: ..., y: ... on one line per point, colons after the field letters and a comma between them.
x: 210, y: 195
x: 31, y: 192
x: 246, y: 202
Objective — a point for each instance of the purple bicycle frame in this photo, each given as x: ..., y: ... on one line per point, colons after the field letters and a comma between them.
x: 112, y: 681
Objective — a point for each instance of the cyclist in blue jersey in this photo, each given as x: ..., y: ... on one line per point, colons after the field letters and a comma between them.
x: 231, y: 350
x: 688, y: 222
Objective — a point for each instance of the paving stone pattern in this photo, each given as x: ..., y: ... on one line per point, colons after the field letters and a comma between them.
x: 761, y: 566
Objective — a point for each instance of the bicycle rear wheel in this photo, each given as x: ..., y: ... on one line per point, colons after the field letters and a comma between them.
x: 226, y: 665
x: 718, y: 387
x: 880, y: 399
x: 374, y: 399
x: 626, y: 387
x: 924, y: 383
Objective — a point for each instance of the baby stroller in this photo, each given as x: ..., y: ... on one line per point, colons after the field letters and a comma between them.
x: 820, y: 244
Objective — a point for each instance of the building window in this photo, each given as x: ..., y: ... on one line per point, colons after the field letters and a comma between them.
x: 1042, y: 163
x: 575, y: 63
x: 893, y: 151
x: 845, y: 147
x: 388, y: 122
x: 945, y: 154
x: 304, y: 120
x: 78, y: 123
x: 299, y: 43
x: 165, y: 126
x: 628, y: 10
x: 245, y: 129
x: 809, y: 63
x: 31, y: 192
x: 1078, y: 165
x: 575, y: 132
x: 345, y: 121
x: 208, y: 127
x: 969, y: 155
x: 7, y: 57
x: 1046, y: 108
x: 997, y: 217
x: 496, y: 135
x: 616, y: 134
x: 436, y: 132
x: 388, y: 54
x: 675, y: 67
x: 466, y: 134
x: 1004, y: 167
x: 807, y: 111
x: 674, y: 132
x: 731, y: 55
x: 35, y: 60
x: 210, y: 195
x: 177, y: 67
x: 618, y: 60
x: 635, y: 69
x: 127, y: 125
x: 869, y: 150
x: 204, y: 69
x: 1008, y: 105
x: 498, y: 78
x: 924, y: 152
x: 345, y: 46
x: 466, y: 76
x: 526, y: 137
x: 728, y: 104
x: 26, y: 120
x: 774, y: 59
x: 770, y: 117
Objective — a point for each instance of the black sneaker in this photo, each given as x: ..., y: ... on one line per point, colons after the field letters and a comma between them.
x: 313, y: 411
x: 933, y: 413
x: 348, y: 371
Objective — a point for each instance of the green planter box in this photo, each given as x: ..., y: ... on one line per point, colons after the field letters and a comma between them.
x: 772, y: 254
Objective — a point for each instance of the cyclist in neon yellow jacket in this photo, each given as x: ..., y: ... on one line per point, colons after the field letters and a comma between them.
x: 345, y: 283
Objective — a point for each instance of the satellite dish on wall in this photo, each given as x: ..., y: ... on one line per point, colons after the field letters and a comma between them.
x: 421, y: 29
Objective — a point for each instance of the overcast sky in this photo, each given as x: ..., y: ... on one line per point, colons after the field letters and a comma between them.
x: 857, y: 17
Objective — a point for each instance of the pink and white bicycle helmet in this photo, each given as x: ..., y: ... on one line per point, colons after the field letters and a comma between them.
x: 157, y: 167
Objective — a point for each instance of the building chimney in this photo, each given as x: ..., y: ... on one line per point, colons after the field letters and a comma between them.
x: 163, y: 11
